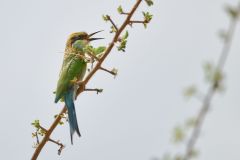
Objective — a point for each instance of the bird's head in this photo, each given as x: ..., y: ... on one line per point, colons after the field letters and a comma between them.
x: 81, y: 36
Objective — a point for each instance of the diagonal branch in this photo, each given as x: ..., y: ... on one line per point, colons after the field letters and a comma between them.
x: 48, y: 133
x: 89, y: 76
x: 211, y: 91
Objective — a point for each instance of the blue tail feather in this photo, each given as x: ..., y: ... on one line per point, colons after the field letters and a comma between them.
x: 69, y: 101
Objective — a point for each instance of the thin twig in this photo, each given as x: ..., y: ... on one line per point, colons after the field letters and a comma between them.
x: 114, y: 25
x: 211, y: 91
x: 37, y: 137
x: 59, y: 144
x: 131, y: 22
x: 89, y: 76
x: 108, y: 71
x: 95, y: 90
x: 125, y: 13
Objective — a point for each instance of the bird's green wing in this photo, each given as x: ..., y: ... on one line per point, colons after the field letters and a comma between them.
x: 74, y: 68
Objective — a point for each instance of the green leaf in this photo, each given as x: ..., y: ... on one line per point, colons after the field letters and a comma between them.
x: 36, y: 123
x: 122, y: 46
x: 147, y: 17
x: 123, y: 42
x: 149, y: 2
x: 113, y: 29
x: 99, y: 50
x: 125, y: 35
x: 120, y: 10
x: 105, y: 18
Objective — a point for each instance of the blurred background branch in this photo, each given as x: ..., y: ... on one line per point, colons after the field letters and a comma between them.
x: 214, y: 76
x: 216, y: 83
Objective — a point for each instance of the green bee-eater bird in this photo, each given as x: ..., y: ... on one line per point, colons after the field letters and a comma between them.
x: 73, y: 69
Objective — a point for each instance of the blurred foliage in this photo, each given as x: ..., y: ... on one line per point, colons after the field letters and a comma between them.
x: 190, y: 123
x: 233, y: 12
x: 214, y: 76
x: 190, y: 91
x: 178, y: 134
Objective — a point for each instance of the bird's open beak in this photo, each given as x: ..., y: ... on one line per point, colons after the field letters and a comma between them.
x: 92, y: 39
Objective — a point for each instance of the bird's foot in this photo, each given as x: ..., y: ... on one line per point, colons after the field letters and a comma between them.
x: 74, y: 81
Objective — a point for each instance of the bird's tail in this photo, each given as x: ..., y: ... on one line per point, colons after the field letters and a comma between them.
x: 72, y: 118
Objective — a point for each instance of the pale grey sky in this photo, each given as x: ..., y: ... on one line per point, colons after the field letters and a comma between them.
x: 134, y: 116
